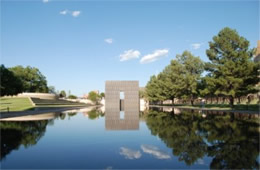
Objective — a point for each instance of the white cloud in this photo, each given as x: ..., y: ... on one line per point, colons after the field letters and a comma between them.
x: 109, y: 40
x: 196, y: 46
x: 129, y: 54
x: 75, y: 13
x: 129, y: 153
x: 64, y: 12
x: 45, y: 1
x: 154, y: 56
x: 153, y: 150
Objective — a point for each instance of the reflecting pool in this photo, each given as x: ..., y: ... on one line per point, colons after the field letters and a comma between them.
x: 158, y: 138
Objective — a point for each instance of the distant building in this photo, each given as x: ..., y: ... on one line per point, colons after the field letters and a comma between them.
x: 257, y: 54
x: 85, y: 96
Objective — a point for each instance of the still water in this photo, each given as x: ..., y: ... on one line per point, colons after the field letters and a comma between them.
x: 160, y: 138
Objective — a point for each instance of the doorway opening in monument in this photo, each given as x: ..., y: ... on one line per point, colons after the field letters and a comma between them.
x: 122, y: 95
x: 122, y: 115
x: 121, y: 101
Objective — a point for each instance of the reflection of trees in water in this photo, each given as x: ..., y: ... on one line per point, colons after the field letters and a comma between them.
x: 15, y: 134
x: 71, y: 114
x: 62, y: 116
x: 95, y: 113
x: 232, y: 142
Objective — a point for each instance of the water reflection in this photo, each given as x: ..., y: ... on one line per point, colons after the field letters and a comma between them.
x: 114, y: 122
x: 187, y: 139
x: 15, y: 134
x: 232, y: 141
x: 130, y: 153
x: 155, y: 151
x: 26, y: 130
x: 94, y: 113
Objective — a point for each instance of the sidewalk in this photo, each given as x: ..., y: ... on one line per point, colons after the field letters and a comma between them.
x: 35, y: 112
x: 208, y: 109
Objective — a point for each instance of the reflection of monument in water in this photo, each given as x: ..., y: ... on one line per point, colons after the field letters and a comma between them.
x: 122, y: 105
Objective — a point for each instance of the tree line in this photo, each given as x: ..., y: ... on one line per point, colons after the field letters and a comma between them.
x: 230, y: 72
x: 19, y: 79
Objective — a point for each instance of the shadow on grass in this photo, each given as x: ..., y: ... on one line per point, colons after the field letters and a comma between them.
x: 5, y: 110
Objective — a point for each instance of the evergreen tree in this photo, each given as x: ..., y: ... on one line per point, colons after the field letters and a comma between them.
x: 154, y: 89
x: 231, y: 64
x: 193, y: 68
x: 173, y: 77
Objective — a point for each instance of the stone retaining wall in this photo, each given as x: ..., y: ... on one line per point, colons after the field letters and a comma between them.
x: 39, y: 95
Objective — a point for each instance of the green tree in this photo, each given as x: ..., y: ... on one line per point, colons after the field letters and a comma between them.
x: 154, y: 90
x: 172, y: 80
x: 93, y: 96
x: 72, y: 96
x: 10, y: 84
x: 142, y: 93
x: 179, y: 79
x: 207, y: 87
x: 231, y: 64
x: 193, y: 67
x: 62, y: 93
x: 32, y: 79
x: 102, y: 95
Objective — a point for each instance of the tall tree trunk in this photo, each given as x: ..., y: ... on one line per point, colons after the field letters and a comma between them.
x: 217, y: 99
x: 239, y: 100
x: 172, y: 100
x: 231, y: 101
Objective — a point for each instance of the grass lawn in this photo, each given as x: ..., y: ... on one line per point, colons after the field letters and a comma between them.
x: 23, y: 104
x: 15, y: 104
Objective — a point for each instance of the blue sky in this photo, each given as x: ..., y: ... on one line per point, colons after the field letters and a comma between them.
x: 78, y: 45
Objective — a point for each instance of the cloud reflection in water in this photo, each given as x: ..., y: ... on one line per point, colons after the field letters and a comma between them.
x: 153, y: 150
x: 129, y: 153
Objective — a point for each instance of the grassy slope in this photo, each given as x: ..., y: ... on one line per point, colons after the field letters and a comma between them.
x: 15, y: 104
x: 22, y: 104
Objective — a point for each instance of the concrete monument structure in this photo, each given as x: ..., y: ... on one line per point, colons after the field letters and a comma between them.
x: 122, y: 105
x: 257, y: 54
